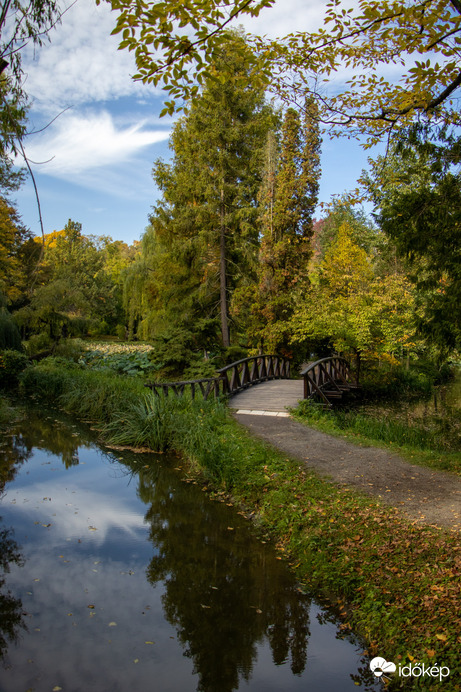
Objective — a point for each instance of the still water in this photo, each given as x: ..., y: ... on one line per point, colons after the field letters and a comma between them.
x: 116, y: 575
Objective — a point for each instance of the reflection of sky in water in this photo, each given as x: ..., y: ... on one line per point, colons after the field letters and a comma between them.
x: 95, y: 552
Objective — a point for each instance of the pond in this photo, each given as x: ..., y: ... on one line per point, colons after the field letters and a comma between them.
x: 116, y: 574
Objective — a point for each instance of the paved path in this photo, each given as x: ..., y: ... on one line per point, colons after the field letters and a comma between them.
x: 425, y: 495
x: 268, y: 398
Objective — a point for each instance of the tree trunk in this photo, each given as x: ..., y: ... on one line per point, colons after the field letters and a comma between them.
x: 358, y: 362
x: 223, y: 277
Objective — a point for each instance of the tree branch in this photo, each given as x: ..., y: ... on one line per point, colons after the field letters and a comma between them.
x: 444, y: 95
x: 200, y: 41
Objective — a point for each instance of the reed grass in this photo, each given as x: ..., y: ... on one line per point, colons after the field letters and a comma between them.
x: 89, y: 394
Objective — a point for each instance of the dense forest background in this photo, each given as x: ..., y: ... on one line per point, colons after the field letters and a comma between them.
x: 235, y: 260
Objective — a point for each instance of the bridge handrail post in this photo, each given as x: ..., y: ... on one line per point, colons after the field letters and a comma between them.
x: 325, y: 372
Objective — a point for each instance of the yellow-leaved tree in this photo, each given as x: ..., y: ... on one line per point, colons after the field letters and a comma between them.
x: 355, y: 310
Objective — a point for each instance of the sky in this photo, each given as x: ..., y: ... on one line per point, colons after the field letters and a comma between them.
x: 93, y: 161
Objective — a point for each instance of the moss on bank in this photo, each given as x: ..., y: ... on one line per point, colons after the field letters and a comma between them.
x: 396, y: 584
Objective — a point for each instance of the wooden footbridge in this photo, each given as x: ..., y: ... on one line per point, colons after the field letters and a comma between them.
x: 326, y: 380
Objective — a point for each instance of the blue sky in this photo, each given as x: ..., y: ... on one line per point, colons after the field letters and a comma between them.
x: 93, y: 163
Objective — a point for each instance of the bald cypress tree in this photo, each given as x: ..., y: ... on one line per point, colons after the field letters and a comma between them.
x: 288, y: 198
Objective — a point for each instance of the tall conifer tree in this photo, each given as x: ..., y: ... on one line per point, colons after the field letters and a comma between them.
x: 206, y: 221
x: 287, y: 209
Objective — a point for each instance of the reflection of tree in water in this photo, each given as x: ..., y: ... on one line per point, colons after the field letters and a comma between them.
x: 225, y: 592
x: 11, y: 615
x: 13, y: 453
x: 48, y: 433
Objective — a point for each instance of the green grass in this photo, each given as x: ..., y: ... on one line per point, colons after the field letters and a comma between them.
x: 394, y: 583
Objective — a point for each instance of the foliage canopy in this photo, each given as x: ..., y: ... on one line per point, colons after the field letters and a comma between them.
x: 176, y: 44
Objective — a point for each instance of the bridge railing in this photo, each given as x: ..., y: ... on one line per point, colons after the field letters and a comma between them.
x: 232, y: 378
x: 213, y: 386
x: 328, y: 378
x: 248, y: 371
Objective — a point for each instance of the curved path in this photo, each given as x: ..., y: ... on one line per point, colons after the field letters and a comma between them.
x: 425, y: 495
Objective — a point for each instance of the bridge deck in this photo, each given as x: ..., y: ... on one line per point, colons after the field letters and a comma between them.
x: 268, y: 398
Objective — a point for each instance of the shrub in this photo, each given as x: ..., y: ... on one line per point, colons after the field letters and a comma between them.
x: 12, y: 363
x: 70, y: 349
x: 234, y: 353
x: 120, y: 331
x: 390, y: 382
x: 10, y: 337
x: 37, y: 343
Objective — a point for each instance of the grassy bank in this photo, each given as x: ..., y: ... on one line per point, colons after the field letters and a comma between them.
x: 435, y: 442
x: 395, y: 584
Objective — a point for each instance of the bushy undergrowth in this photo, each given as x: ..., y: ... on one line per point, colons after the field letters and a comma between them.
x: 391, y: 382
x: 12, y: 363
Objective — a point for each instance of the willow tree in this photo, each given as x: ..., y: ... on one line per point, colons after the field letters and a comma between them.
x: 22, y: 23
x: 205, y: 224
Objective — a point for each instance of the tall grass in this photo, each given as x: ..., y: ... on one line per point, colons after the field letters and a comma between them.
x: 89, y: 394
x: 149, y: 422
x: 130, y: 415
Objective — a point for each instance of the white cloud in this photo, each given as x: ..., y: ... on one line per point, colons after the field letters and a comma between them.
x: 82, y: 62
x: 77, y: 144
x: 287, y: 16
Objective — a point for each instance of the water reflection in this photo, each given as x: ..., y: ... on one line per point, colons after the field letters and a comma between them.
x: 11, y: 615
x: 47, y: 432
x: 13, y: 453
x: 223, y: 593
x: 120, y: 555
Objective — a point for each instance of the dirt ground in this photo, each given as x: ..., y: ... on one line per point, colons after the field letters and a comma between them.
x: 424, y: 495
